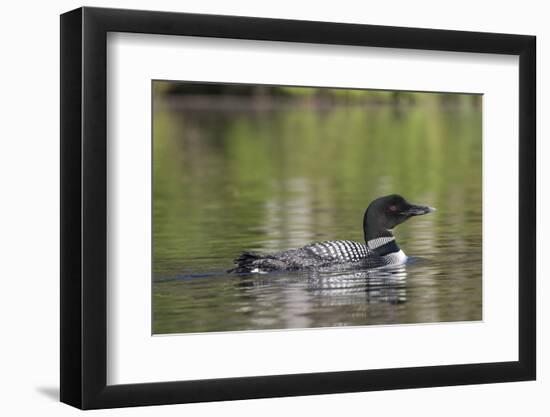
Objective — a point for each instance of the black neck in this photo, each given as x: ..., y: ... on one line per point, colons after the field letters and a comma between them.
x: 387, y: 248
x: 372, y: 228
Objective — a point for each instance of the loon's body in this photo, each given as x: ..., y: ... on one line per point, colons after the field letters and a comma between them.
x: 380, y: 248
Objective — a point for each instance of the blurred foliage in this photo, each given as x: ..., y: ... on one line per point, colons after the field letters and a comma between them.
x: 332, y: 95
x: 217, y: 173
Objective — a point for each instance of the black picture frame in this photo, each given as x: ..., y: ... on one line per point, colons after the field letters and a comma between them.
x: 84, y: 207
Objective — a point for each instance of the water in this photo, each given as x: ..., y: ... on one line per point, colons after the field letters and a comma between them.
x: 269, y: 178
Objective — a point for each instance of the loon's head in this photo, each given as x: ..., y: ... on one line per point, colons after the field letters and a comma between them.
x: 384, y: 213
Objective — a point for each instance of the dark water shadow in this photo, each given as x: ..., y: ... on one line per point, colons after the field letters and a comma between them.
x: 50, y: 392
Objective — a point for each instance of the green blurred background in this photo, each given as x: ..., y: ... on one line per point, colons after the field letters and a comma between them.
x: 268, y: 168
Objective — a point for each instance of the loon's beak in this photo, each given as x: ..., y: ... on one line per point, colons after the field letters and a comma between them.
x: 418, y: 210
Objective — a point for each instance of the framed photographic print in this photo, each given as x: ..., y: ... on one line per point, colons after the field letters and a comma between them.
x: 258, y: 207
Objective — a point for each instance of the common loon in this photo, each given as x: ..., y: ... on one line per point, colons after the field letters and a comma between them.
x: 380, y: 248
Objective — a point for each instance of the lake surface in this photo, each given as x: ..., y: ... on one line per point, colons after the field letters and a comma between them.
x: 231, y: 177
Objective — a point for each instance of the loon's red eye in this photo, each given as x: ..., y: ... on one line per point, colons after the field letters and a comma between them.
x: 393, y: 207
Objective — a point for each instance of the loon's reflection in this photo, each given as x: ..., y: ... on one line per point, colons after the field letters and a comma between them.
x: 386, y: 285
x: 379, y: 286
